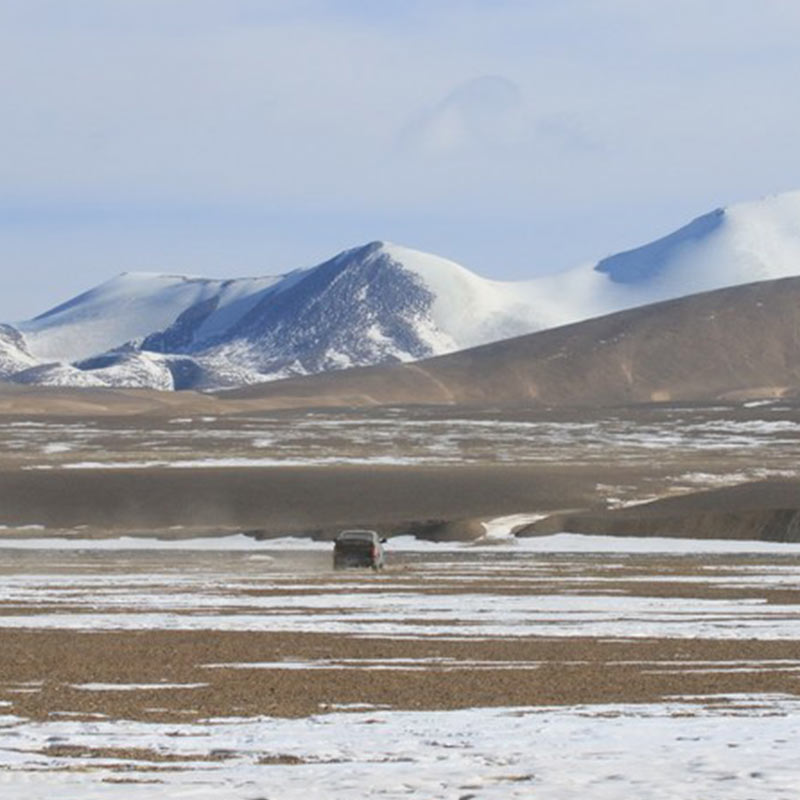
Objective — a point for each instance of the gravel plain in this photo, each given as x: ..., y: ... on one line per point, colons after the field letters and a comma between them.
x: 139, y: 661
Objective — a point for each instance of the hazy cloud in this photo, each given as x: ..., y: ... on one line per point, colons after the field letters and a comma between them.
x: 479, y: 115
x: 221, y: 136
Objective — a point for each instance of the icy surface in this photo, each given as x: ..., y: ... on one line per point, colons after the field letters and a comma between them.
x: 740, y: 748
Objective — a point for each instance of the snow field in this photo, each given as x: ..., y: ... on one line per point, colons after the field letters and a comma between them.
x: 740, y: 748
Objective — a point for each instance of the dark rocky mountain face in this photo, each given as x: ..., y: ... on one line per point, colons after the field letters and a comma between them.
x: 361, y: 307
x: 180, y: 336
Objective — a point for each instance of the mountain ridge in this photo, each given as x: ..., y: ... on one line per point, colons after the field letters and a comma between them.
x: 376, y: 303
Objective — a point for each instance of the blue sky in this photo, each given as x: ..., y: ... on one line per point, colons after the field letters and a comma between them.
x: 241, y: 137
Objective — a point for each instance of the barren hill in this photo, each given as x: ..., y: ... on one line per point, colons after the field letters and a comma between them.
x: 735, y: 343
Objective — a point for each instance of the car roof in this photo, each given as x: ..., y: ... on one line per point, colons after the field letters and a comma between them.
x: 357, y: 534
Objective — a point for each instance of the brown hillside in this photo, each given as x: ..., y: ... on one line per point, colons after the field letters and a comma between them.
x: 761, y: 510
x: 732, y: 343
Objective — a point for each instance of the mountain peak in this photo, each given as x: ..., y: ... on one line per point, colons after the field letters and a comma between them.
x: 651, y: 260
x: 740, y: 243
x: 374, y: 249
x: 362, y: 250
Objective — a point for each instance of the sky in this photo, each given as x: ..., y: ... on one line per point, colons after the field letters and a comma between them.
x: 252, y: 137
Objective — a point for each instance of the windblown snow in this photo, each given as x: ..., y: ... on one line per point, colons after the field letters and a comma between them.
x: 373, y: 304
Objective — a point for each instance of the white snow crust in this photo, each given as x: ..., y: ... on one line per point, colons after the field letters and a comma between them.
x: 499, y: 531
x: 737, y: 748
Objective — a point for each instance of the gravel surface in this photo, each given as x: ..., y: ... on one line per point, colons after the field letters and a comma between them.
x: 159, y: 674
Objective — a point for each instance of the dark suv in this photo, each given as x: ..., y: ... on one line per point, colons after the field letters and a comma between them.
x: 358, y: 549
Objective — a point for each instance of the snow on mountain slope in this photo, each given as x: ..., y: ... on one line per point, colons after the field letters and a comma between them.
x: 130, y: 307
x: 743, y: 243
x: 133, y: 370
x: 467, y: 309
x: 368, y: 305
x: 740, y: 244
x: 376, y: 303
x: 14, y: 355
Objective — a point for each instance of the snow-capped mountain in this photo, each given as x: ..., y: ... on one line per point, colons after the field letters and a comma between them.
x: 368, y: 305
x: 372, y: 304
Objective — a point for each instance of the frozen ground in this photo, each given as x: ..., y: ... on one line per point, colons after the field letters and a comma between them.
x: 701, y: 735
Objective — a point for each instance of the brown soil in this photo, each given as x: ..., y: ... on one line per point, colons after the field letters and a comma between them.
x: 734, y: 343
x: 605, y: 461
x: 557, y: 671
x: 762, y: 510
x: 114, y: 674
